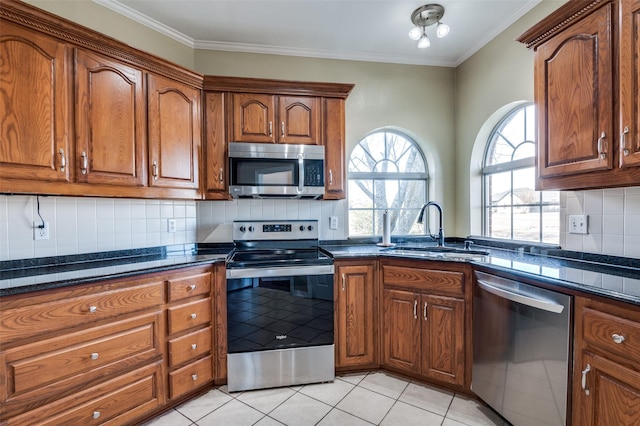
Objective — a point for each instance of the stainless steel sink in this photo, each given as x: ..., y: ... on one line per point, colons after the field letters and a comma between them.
x: 437, y: 252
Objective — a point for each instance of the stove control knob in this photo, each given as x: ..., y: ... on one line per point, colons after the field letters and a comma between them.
x: 310, y: 228
x: 251, y: 229
x: 301, y: 228
x: 242, y: 228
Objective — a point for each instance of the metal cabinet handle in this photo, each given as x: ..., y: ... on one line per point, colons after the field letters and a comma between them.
x: 424, y: 311
x: 603, y: 155
x: 93, y: 309
x: 584, y: 379
x: 330, y: 177
x: 96, y: 414
x: 282, y: 129
x: 194, y: 377
x: 415, y: 309
x: 83, y: 167
x: 270, y: 128
x: 617, y: 338
x: 94, y: 355
x: 344, y: 283
x: 154, y: 171
x: 63, y: 160
x: 193, y: 316
x: 221, y: 175
x: 194, y: 346
x: 623, y: 140
x: 192, y: 287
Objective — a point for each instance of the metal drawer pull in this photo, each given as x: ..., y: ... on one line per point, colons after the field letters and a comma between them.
x: 343, y: 283
x: 415, y: 309
x: 63, y: 160
x: 194, y: 346
x: 155, y: 170
x: 617, y: 338
x: 193, y: 316
x: 96, y: 414
x: 330, y: 177
x: 603, y: 155
x: 194, y: 377
x: 625, y: 150
x: 83, y: 167
x: 94, y: 355
x: 584, y: 378
x: 93, y: 309
x: 192, y: 286
x: 282, y: 129
x: 424, y: 311
x: 221, y: 175
x: 270, y: 128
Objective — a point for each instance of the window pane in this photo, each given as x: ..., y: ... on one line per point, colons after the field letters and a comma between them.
x: 524, y: 150
x: 551, y: 224
x: 526, y: 223
x: 499, y: 225
x: 360, y: 194
x: 498, y: 188
x: 360, y: 222
x: 523, y: 187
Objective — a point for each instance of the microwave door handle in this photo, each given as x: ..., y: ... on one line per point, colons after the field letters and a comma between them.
x: 300, y: 173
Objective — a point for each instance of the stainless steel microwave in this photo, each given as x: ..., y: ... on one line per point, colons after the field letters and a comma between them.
x: 264, y: 170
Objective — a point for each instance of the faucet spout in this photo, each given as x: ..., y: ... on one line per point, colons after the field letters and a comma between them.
x: 440, y: 237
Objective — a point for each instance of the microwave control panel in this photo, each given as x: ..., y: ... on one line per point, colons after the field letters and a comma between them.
x: 313, y: 173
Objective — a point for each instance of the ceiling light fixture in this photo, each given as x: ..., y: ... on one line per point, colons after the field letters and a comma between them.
x: 424, y: 16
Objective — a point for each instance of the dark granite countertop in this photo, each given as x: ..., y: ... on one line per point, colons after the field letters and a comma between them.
x: 593, y: 274
x: 611, y: 277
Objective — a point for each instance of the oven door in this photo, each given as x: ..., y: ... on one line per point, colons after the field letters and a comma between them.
x: 279, y: 308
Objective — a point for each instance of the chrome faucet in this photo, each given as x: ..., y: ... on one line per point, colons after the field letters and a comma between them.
x: 440, y: 236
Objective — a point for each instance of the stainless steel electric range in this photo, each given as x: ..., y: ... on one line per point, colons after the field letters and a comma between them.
x: 279, y: 306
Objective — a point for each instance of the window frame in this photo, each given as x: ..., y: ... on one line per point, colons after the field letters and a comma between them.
x: 387, y: 176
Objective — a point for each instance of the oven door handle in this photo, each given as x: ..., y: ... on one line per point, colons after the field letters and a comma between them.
x: 280, y: 271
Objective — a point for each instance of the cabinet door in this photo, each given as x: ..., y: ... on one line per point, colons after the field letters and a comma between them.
x: 629, y: 83
x: 34, y: 107
x: 253, y: 118
x: 401, y: 330
x: 110, y: 121
x: 355, y: 317
x: 334, y: 150
x: 174, y: 133
x: 573, y: 91
x: 443, y: 338
x: 299, y: 120
x: 611, y: 393
x: 215, y: 147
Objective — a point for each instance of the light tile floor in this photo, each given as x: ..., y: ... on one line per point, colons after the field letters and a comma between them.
x: 352, y: 400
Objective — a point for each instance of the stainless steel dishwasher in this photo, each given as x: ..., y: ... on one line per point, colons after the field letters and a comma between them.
x: 521, y: 344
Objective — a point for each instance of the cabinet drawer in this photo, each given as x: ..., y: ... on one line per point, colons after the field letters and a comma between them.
x: 184, y: 317
x: 189, y: 347
x: 26, y: 321
x: 181, y: 288
x: 190, y: 377
x: 113, y: 403
x: 605, y: 330
x: 446, y: 282
x: 64, y: 363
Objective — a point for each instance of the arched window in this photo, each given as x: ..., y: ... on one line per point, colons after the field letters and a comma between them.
x: 513, y: 209
x: 387, y: 171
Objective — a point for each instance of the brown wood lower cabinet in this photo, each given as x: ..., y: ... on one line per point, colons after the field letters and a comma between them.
x: 356, y: 325
x: 425, y: 320
x: 111, y: 352
x: 606, y: 382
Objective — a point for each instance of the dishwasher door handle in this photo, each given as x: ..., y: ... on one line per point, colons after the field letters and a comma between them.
x: 523, y: 298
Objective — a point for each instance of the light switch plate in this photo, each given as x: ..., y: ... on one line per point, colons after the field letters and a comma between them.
x: 333, y: 222
x: 578, y: 224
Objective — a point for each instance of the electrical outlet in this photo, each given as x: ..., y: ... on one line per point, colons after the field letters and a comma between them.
x: 171, y: 225
x: 333, y: 222
x: 578, y: 223
x: 40, y: 233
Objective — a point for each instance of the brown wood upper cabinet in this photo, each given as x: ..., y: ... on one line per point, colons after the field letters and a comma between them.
x: 586, y: 55
x: 174, y: 133
x: 35, y: 134
x: 110, y: 121
x: 276, y: 119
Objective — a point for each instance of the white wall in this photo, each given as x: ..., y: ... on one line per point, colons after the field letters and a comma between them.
x: 86, y: 225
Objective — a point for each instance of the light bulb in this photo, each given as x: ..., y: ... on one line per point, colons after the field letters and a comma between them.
x: 415, y: 33
x: 424, y: 42
x: 442, y: 30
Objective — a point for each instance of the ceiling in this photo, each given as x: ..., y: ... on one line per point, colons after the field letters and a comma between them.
x: 362, y: 30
